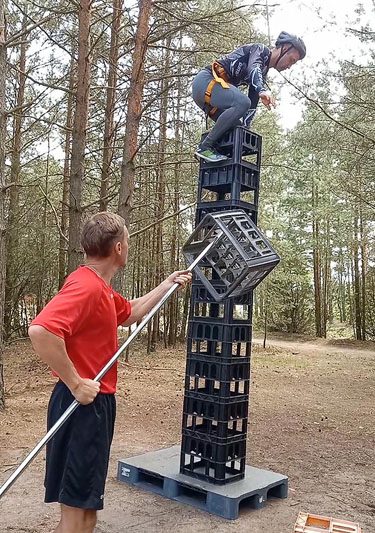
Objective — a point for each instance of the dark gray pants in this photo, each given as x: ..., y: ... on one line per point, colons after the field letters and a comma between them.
x: 232, y: 104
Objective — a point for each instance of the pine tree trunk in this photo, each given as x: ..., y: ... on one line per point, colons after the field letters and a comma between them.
x: 316, y: 264
x: 42, y: 247
x: 174, y: 261
x: 363, y: 247
x: 171, y: 310
x: 3, y: 69
x: 160, y: 188
x: 155, y: 263
x: 342, y: 287
x: 153, y: 333
x: 12, y: 240
x: 351, y: 295
x: 64, y: 224
x: 326, y: 279
x: 185, y: 314
x: 109, y: 130
x: 356, y: 281
x: 79, y: 134
x: 133, y: 116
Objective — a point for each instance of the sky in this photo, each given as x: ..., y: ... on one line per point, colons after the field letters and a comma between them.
x: 323, y: 26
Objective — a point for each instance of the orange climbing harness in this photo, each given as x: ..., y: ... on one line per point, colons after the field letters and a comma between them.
x: 220, y: 76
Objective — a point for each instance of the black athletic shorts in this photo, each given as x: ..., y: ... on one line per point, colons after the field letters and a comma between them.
x: 78, y: 454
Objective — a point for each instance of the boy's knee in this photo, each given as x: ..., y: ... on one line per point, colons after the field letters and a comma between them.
x: 243, y: 104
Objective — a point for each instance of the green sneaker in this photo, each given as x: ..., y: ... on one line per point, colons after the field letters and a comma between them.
x: 210, y: 155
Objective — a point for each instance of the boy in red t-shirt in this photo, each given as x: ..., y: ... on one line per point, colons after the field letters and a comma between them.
x: 76, y: 335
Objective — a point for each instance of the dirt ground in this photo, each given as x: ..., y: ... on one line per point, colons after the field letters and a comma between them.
x: 312, y: 418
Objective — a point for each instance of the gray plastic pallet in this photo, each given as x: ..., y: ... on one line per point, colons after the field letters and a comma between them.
x: 159, y: 472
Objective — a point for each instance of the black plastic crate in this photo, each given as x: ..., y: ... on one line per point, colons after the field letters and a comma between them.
x: 201, y: 294
x: 214, y: 431
x: 215, y: 451
x: 227, y: 176
x: 206, y: 367
x: 216, y: 473
x: 226, y: 351
x: 244, y: 299
x: 203, y: 208
x: 225, y: 311
x: 239, y: 142
x: 241, y: 258
x: 215, y: 390
x: 207, y: 328
x: 217, y: 463
x: 220, y: 410
x: 210, y: 309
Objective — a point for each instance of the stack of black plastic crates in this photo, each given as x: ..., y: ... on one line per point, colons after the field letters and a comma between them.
x: 214, y: 427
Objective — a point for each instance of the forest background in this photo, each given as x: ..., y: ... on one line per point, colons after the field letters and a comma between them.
x: 96, y: 114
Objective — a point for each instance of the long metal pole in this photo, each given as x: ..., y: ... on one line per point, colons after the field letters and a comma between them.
x: 73, y: 406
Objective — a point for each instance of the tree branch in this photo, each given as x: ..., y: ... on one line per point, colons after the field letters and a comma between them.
x: 327, y: 114
x: 164, y: 218
x: 55, y: 214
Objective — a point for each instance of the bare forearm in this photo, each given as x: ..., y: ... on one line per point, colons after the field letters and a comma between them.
x: 141, y: 306
x: 51, y: 349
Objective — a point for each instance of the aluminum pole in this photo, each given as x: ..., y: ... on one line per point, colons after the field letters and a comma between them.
x: 73, y: 406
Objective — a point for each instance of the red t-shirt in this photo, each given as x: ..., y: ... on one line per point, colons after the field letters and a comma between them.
x: 86, y: 313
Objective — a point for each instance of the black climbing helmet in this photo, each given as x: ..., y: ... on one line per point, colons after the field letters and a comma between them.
x: 293, y: 40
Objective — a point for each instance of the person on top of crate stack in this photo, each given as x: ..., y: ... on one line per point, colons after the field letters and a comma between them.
x: 215, y: 88
x: 76, y: 335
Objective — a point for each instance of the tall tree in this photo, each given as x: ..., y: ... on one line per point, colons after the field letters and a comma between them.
x: 161, y: 187
x: 109, y: 129
x: 77, y: 167
x: 12, y: 242
x: 134, y: 110
x: 64, y: 224
x: 3, y: 188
